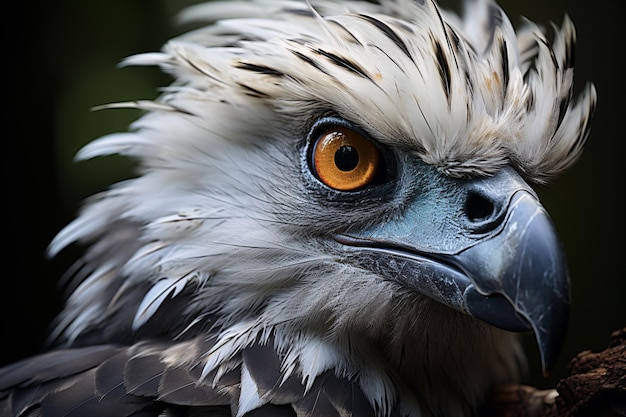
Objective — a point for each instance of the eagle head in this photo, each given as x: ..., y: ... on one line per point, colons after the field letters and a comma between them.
x: 333, y: 210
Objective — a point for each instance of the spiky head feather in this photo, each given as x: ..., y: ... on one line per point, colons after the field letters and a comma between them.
x: 467, y: 100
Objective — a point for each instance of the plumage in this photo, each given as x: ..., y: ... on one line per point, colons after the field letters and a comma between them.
x: 228, y: 278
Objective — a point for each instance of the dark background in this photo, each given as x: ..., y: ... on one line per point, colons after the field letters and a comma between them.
x: 60, y: 60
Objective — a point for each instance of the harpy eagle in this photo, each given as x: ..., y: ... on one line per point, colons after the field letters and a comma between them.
x: 332, y: 217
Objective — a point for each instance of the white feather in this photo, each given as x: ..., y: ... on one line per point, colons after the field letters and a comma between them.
x: 160, y: 290
x: 249, y: 398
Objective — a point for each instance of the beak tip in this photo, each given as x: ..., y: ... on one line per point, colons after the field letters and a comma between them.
x: 551, y: 342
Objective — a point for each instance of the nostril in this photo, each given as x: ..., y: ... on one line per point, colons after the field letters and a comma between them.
x: 478, y: 208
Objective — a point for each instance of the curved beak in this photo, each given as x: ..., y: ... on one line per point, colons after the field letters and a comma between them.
x: 520, y: 280
x: 506, y: 269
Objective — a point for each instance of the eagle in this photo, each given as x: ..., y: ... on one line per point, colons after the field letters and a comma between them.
x: 332, y: 215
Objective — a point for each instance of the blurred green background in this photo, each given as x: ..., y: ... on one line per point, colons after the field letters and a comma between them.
x: 60, y: 61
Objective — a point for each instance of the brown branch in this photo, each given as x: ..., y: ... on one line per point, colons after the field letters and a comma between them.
x: 595, y: 387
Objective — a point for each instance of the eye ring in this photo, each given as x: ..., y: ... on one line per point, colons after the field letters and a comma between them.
x: 344, y: 159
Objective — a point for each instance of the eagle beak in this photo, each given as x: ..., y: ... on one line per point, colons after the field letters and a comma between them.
x: 519, y: 277
x: 507, y: 270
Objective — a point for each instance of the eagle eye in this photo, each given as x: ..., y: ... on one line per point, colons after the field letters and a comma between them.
x: 344, y: 159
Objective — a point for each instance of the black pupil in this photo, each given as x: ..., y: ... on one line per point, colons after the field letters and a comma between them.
x: 346, y: 158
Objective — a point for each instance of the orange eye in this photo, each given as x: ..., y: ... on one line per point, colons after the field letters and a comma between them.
x: 345, y: 160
